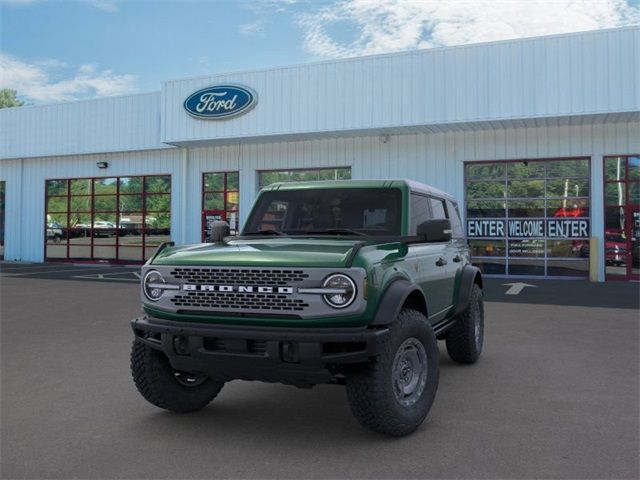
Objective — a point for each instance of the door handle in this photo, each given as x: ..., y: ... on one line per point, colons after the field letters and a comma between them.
x: 457, y: 259
x: 441, y: 262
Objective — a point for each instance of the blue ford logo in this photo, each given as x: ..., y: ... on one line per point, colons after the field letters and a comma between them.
x: 220, y: 101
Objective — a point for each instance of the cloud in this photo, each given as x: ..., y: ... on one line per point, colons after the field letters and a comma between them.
x: 376, y: 26
x: 34, y: 81
x: 253, y: 28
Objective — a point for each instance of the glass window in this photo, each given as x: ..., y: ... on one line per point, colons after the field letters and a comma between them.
x: 420, y: 211
x: 57, y: 187
x: 485, y: 171
x: 81, y: 204
x: 214, y: 182
x: 525, y: 208
x: 488, y: 248
x: 221, y: 193
x: 80, y: 186
x: 525, y: 188
x: 485, y: 209
x: 268, y: 177
x: 568, y: 188
x: 456, y: 222
x: 105, y: 203
x: 105, y: 186
x: 131, y: 184
x: 615, y: 193
x: 544, y: 215
x: 526, y: 248
x: 568, y: 248
x: 615, y: 168
x: 568, y: 168
x: 107, y: 219
x: 573, y: 207
x: 518, y: 266
x: 486, y: 190
x: 437, y: 208
x: 525, y: 169
x: 157, y: 184
x: 491, y: 266
x: 373, y: 211
x: 57, y: 204
x: 130, y: 203
x: 214, y: 201
x: 633, y: 168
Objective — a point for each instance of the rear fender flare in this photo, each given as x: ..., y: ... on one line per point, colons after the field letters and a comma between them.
x: 470, y: 275
x: 392, y: 301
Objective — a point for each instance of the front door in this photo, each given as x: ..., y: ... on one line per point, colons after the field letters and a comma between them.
x: 208, y: 217
x: 622, y: 217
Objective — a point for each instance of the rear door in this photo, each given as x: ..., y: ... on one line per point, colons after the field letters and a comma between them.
x: 449, y: 259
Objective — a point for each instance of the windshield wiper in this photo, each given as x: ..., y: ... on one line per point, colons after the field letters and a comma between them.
x: 336, y: 231
x: 266, y: 232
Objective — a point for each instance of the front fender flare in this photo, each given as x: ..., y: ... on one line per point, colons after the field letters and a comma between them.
x: 469, y: 276
x: 392, y: 301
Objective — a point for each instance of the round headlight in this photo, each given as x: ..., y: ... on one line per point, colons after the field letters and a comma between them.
x: 150, y: 285
x: 344, y: 290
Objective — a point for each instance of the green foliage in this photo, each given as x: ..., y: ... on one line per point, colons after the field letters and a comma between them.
x: 8, y: 98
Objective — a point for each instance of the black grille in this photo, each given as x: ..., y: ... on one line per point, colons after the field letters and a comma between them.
x: 239, y: 301
x: 254, y: 347
x: 236, y: 276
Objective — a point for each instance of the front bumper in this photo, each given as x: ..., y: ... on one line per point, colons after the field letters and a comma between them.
x: 297, y: 356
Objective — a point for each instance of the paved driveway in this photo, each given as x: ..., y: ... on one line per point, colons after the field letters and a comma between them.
x: 555, y: 395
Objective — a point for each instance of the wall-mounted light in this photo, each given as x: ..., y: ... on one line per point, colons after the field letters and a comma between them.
x: 384, y: 138
x: 102, y: 164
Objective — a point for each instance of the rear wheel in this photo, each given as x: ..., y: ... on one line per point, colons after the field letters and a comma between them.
x: 167, y: 388
x: 465, y: 339
x: 394, y: 392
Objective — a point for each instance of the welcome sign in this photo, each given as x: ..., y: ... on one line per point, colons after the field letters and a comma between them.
x: 525, y: 228
x: 220, y: 102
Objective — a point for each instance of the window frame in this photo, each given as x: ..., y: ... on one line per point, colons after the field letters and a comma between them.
x: 545, y: 177
x: 225, y: 191
x: 259, y: 173
x: 92, y: 212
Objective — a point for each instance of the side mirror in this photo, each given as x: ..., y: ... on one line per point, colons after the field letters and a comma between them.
x: 217, y: 231
x: 436, y: 230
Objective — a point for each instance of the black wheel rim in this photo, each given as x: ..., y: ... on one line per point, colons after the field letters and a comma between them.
x: 409, y: 372
x: 189, y: 379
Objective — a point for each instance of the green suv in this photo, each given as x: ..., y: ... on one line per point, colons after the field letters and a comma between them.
x: 343, y: 282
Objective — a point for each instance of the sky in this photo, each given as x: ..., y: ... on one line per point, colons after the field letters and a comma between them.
x: 55, y: 50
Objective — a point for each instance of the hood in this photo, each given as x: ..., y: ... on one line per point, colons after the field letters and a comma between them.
x: 281, y: 252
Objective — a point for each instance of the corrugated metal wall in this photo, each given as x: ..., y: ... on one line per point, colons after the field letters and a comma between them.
x: 436, y: 159
x: 115, y: 124
x: 576, y: 74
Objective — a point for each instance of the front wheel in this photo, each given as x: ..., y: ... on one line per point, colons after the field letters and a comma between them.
x: 464, y: 340
x: 167, y: 388
x: 394, y: 392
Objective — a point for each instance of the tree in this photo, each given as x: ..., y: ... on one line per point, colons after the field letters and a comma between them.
x: 8, y: 98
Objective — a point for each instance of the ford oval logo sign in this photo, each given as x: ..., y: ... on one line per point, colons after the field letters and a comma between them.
x: 220, y: 101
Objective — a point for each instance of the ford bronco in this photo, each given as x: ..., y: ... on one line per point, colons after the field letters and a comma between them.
x: 343, y: 282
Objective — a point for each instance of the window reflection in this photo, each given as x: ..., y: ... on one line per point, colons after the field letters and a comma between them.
x: 105, y: 218
x: 534, y: 202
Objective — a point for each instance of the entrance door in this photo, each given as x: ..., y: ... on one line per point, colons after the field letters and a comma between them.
x: 622, y: 217
x: 208, y: 217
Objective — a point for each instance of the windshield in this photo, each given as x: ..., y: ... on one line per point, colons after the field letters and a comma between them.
x: 331, y: 211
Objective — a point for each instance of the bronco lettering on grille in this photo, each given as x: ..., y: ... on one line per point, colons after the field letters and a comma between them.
x: 237, y: 288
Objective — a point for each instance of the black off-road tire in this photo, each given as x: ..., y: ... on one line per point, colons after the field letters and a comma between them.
x: 156, y: 381
x: 370, y: 387
x: 464, y: 340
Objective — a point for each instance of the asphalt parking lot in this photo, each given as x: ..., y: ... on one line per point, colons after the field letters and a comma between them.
x: 555, y: 395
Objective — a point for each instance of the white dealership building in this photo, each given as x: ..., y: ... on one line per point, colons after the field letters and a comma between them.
x: 537, y: 138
